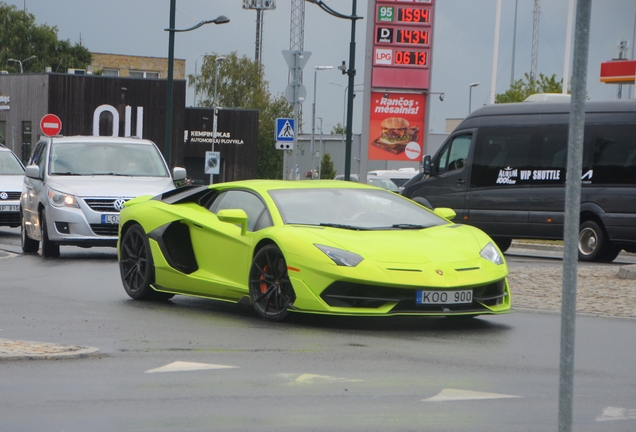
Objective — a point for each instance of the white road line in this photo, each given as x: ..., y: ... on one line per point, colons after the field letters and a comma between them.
x: 180, y: 366
x: 448, y: 395
x: 615, y: 413
x: 315, y: 379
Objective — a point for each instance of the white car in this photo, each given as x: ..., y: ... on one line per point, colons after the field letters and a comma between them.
x: 11, y: 178
x: 74, y: 188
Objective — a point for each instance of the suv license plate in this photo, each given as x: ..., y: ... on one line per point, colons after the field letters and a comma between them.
x: 9, y: 208
x: 110, y: 218
x: 444, y: 297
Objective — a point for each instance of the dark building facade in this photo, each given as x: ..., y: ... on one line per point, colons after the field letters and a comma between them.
x: 101, y: 105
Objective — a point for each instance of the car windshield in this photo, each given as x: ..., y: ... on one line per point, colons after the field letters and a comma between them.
x: 352, y: 209
x: 9, y: 164
x: 135, y: 160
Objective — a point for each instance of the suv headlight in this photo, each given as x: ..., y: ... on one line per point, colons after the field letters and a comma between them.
x: 341, y: 257
x: 61, y: 199
x: 491, y: 253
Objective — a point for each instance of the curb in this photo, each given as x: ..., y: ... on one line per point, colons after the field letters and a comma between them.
x: 627, y: 272
x: 27, y: 350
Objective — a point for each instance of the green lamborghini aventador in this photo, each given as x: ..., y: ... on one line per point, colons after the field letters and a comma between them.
x: 320, y: 246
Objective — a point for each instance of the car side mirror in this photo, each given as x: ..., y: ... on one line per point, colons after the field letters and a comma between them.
x: 445, y: 212
x: 179, y: 173
x: 426, y: 164
x: 234, y: 216
x: 32, y: 171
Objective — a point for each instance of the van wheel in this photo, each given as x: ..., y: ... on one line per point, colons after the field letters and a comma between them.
x: 594, y: 245
x: 502, y: 243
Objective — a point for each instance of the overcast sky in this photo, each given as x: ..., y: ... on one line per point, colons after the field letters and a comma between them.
x: 463, y: 43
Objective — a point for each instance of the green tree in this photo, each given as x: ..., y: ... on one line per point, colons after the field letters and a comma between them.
x: 21, y: 38
x: 338, y: 129
x: 241, y: 84
x: 326, y: 167
x: 522, y: 88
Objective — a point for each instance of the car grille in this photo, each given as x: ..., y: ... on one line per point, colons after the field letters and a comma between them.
x: 9, y: 219
x: 11, y: 196
x: 105, y: 229
x: 104, y: 204
x: 354, y: 295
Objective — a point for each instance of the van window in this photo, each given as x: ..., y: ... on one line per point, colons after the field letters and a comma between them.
x: 613, y: 154
x: 454, y: 154
x: 500, y: 149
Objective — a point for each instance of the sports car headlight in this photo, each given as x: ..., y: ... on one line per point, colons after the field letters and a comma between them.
x: 491, y: 253
x: 341, y: 257
x: 61, y: 199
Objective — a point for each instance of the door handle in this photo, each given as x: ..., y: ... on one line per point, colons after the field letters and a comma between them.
x: 460, y: 182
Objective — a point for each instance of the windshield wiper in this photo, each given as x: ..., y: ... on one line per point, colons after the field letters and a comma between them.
x: 110, y: 174
x: 343, y: 226
x: 408, y: 226
x: 66, y: 173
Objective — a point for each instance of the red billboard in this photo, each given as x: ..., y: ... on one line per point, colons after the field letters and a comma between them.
x: 396, y: 127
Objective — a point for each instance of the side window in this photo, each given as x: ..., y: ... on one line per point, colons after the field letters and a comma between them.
x: 453, y: 155
x: 613, y: 153
x: 499, y: 149
x: 38, y: 157
x: 552, y: 147
x: 257, y: 215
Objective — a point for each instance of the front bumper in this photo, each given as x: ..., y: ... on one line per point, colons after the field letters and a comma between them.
x: 84, y: 226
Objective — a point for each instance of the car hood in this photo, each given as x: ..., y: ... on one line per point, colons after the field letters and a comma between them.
x: 11, y: 183
x: 446, y: 243
x: 84, y: 186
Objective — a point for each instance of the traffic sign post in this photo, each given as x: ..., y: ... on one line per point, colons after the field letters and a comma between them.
x: 50, y: 125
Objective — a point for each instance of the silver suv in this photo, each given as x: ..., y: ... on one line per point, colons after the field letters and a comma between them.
x: 11, y: 179
x: 74, y: 188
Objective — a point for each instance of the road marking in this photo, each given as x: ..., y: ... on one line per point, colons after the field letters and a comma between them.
x: 180, y: 366
x: 447, y: 395
x: 615, y: 413
x: 314, y: 379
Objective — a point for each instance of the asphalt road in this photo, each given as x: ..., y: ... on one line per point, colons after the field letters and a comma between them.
x: 192, y: 364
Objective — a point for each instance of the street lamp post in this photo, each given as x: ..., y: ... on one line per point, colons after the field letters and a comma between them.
x: 470, y: 95
x: 22, y: 61
x: 351, y: 72
x: 221, y: 19
x: 217, y: 61
x: 313, y: 114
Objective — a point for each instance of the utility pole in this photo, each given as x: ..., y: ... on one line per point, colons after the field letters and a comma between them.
x: 535, y: 41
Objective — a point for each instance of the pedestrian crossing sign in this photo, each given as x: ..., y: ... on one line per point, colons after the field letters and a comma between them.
x: 285, y: 133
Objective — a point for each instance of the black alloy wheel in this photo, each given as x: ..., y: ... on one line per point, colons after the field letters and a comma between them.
x: 28, y: 244
x: 50, y: 249
x: 270, y: 289
x: 136, y: 266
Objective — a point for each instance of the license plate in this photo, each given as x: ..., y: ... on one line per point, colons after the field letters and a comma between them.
x: 444, y: 297
x: 110, y: 218
x: 9, y: 208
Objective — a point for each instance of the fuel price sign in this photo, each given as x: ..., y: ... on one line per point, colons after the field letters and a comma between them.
x: 402, y: 36
x: 401, y: 57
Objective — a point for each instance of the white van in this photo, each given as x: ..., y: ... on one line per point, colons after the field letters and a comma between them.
x: 398, y: 176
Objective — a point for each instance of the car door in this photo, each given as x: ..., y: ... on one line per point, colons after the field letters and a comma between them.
x: 221, y: 251
x: 34, y: 190
x: 499, y: 186
x: 546, y: 216
x: 447, y: 185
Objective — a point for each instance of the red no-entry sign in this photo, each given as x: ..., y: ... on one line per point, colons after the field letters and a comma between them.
x: 50, y: 125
